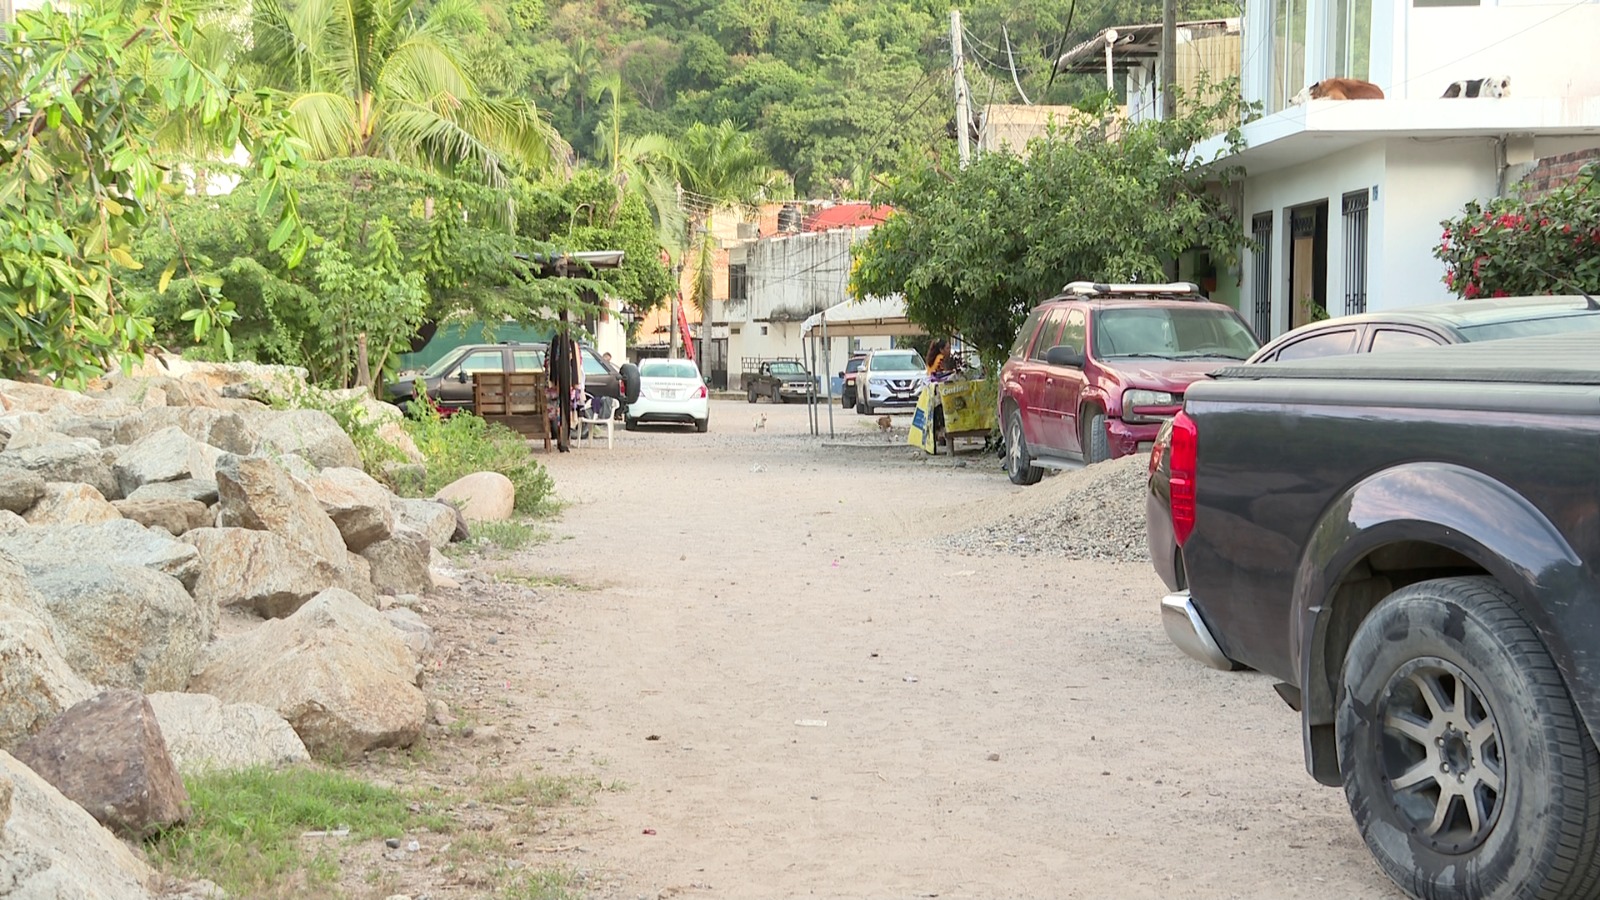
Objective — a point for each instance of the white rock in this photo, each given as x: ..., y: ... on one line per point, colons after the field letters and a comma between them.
x: 165, y: 455
x: 255, y: 492
x: 310, y: 433
x: 360, y: 506
x: 400, y: 564
x: 118, y: 542
x: 124, y: 626
x: 36, y: 684
x: 258, y: 570
x: 336, y: 670
x: 203, y: 734
x: 50, y: 849
x: 71, y: 504
x: 481, y: 496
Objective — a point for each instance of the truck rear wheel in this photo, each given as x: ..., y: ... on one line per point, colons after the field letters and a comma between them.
x: 1465, y: 764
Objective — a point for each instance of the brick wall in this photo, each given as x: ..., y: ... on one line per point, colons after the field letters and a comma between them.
x: 1556, y: 171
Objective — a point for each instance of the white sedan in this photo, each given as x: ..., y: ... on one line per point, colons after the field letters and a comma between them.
x: 670, y: 390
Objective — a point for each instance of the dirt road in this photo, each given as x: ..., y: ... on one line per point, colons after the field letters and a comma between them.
x: 794, y: 691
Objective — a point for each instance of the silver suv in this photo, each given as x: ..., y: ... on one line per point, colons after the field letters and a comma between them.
x: 890, y: 378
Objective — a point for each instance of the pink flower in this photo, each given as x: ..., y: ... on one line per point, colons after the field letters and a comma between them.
x: 1501, y: 294
x: 1471, y: 291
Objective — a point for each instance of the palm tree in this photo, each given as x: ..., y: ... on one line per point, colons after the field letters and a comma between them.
x: 716, y: 166
x: 376, y: 78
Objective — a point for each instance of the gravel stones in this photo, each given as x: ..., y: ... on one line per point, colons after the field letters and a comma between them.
x: 1094, y: 513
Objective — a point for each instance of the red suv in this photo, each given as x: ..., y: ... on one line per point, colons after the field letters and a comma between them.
x: 1096, y: 370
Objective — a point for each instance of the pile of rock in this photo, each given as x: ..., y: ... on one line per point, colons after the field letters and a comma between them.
x: 190, y: 579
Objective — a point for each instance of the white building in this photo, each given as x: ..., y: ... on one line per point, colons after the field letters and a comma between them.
x: 1345, y: 197
x: 775, y: 284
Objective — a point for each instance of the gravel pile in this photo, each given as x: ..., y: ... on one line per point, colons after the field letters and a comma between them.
x: 1096, y: 512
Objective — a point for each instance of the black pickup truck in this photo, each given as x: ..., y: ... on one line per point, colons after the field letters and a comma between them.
x: 1411, y: 542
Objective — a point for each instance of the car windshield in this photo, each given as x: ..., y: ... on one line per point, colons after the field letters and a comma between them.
x: 444, y: 363
x: 1574, y: 321
x: 854, y: 365
x: 1172, y: 333
x: 787, y: 368
x: 668, y: 368
x: 897, y: 362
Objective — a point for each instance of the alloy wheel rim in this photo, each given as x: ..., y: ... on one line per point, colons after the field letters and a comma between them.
x: 1015, y: 450
x: 1442, y: 755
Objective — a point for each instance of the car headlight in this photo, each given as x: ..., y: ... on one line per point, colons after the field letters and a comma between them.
x: 1135, y: 400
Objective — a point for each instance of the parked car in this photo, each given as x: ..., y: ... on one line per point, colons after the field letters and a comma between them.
x: 448, y: 382
x: 889, y: 378
x: 778, y: 380
x: 847, y: 392
x: 1097, y: 369
x: 1407, y: 540
x: 670, y: 390
x: 1429, y: 326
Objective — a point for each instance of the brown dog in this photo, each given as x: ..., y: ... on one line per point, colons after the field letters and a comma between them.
x: 1345, y: 89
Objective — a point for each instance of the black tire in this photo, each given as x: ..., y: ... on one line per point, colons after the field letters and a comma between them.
x: 628, y: 380
x: 1096, y: 443
x: 1019, y: 463
x: 777, y: 394
x: 750, y: 393
x: 629, y: 423
x: 702, y: 425
x: 847, y: 399
x: 1455, y: 652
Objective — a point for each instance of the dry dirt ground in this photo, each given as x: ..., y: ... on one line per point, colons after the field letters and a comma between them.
x: 769, y: 677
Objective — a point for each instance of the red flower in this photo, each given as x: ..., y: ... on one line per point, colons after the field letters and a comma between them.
x: 1566, y: 229
x: 1471, y: 291
x: 1501, y: 294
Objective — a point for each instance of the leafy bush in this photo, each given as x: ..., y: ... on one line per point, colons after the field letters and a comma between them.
x: 359, y: 422
x: 1514, y: 247
x: 463, y: 444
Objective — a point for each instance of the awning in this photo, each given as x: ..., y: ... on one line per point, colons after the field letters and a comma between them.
x: 864, y: 318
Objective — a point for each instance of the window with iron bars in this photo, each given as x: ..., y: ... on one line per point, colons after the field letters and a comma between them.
x: 1355, y: 252
x: 1261, y: 274
x: 738, y: 282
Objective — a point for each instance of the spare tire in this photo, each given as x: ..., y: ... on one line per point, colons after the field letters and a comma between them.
x: 629, y: 374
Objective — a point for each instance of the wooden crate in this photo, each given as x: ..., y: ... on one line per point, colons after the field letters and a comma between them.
x: 516, y: 400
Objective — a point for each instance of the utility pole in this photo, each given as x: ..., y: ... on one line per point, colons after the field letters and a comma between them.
x: 963, y: 112
x: 677, y: 290
x: 1169, y: 59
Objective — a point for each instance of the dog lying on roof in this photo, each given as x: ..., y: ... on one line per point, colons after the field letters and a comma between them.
x: 1338, y: 89
x: 1498, y: 86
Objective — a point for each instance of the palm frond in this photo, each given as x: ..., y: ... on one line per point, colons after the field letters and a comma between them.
x: 327, y: 123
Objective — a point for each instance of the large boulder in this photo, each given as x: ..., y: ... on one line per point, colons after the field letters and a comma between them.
x: 21, y: 396
x: 165, y: 455
x: 118, y: 542
x: 256, y: 492
x: 435, y: 520
x: 311, y: 433
x: 69, y: 460
x: 360, y: 506
x: 204, y: 735
x: 20, y: 489
x: 400, y: 564
x: 50, y: 849
x: 481, y: 496
x: 22, y: 427
x: 336, y: 670
x: 10, y: 521
x: 417, y: 634
x: 259, y: 570
x: 224, y: 430
x: 125, y: 626
x: 176, y: 517
x: 36, y: 684
x: 108, y: 755
x: 183, y: 489
x: 71, y: 504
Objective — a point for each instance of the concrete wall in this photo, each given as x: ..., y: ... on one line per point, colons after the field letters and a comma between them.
x: 792, y: 276
x: 1426, y: 183
x: 1547, y: 48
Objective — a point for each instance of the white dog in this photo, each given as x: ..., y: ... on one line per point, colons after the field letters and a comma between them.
x: 1498, y: 86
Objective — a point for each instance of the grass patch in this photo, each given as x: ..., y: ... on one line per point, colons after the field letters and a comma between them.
x: 245, y: 833
x: 463, y: 444
x: 508, y: 535
x: 542, y: 884
x: 540, y: 791
x: 548, y: 581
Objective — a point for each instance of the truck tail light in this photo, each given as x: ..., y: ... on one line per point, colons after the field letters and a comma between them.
x: 1181, y: 477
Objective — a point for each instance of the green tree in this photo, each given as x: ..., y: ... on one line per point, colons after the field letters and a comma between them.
x: 973, y: 250
x: 379, y: 78
x: 80, y: 178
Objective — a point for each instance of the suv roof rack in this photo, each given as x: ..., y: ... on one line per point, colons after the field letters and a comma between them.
x: 1177, y: 290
